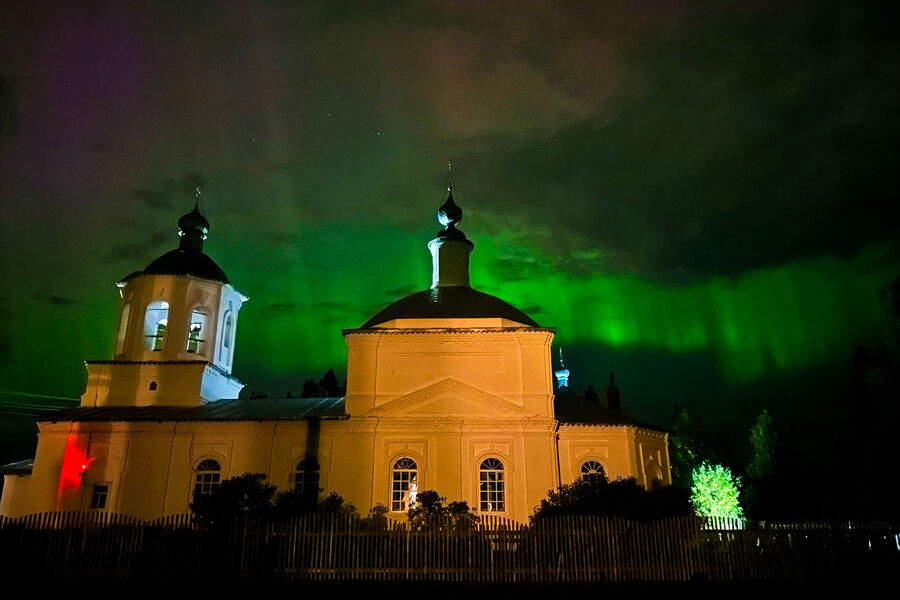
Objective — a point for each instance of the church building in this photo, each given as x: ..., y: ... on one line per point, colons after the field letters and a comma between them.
x: 449, y: 389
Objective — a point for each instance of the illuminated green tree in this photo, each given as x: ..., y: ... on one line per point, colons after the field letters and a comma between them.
x: 715, y: 491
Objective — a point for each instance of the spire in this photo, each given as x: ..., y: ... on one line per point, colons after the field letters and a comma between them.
x: 450, y: 249
x: 193, y: 227
x: 613, y: 397
x: 562, y: 376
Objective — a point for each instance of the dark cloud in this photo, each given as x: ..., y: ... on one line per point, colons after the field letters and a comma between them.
x: 756, y: 141
x: 136, y: 251
x: 62, y: 301
x: 155, y: 198
x: 172, y: 192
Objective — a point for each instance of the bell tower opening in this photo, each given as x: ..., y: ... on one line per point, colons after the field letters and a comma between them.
x: 198, y: 331
x: 156, y: 326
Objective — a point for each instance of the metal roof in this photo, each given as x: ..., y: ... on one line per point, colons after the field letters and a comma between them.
x: 254, y: 409
x: 450, y: 302
x: 22, y: 467
x: 572, y: 409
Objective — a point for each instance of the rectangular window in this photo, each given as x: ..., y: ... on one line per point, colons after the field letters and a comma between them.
x: 100, y: 496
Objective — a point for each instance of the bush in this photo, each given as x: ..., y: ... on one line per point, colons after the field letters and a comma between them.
x: 624, y: 498
x: 247, y: 494
x: 432, y: 512
x: 293, y: 504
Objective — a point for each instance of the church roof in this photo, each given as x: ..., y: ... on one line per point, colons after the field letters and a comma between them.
x: 572, y: 409
x: 185, y: 262
x: 450, y: 302
x: 254, y: 409
x: 22, y: 467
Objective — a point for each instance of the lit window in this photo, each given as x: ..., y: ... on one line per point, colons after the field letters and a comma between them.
x: 99, y: 496
x: 306, y: 479
x: 492, y: 488
x: 592, y: 472
x: 208, y: 476
x: 197, y: 332
x: 156, y: 325
x: 404, y: 484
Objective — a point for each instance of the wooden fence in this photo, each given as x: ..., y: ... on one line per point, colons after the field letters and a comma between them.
x: 78, y: 545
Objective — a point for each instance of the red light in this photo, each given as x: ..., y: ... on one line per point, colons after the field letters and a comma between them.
x: 74, y: 464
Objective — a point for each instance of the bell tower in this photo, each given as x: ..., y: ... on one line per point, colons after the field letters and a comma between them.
x: 176, y: 337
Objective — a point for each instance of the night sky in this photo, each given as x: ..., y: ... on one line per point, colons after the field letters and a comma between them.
x: 699, y: 197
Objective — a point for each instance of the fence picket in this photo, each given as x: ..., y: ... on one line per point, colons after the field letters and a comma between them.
x: 495, y: 549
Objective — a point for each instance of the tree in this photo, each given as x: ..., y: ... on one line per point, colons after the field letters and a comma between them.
x: 715, y: 491
x: 248, y: 494
x: 761, y: 468
x: 688, y: 445
x: 377, y: 519
x: 311, y: 389
x: 292, y: 504
x: 624, y: 498
x: 329, y: 385
x: 762, y: 443
x: 431, y: 512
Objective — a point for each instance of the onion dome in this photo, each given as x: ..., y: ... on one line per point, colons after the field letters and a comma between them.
x: 450, y: 296
x: 449, y: 215
x: 194, y: 221
x: 188, y: 258
x: 193, y: 228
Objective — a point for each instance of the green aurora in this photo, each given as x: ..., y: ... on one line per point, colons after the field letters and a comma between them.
x: 697, y: 195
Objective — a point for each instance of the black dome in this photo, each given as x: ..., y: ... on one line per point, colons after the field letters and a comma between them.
x: 194, y: 220
x: 450, y: 302
x: 186, y: 262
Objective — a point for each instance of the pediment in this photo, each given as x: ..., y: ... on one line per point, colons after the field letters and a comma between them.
x: 449, y: 398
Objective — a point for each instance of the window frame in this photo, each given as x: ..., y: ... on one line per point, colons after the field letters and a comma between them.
x: 107, y: 486
x: 225, y: 347
x: 582, y: 472
x: 488, y: 496
x: 153, y: 341
x: 198, y: 346
x: 206, y: 487
x: 121, y: 336
x: 306, y: 466
x: 407, y: 498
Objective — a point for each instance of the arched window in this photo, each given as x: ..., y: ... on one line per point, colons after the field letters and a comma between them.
x: 492, y: 487
x: 153, y: 386
x: 156, y: 325
x: 654, y: 475
x: 123, y: 328
x: 207, y: 477
x: 404, y: 484
x: 306, y: 478
x: 197, y: 330
x: 592, y: 472
x: 227, y: 334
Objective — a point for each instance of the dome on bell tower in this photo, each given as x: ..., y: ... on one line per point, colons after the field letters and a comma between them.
x: 188, y: 258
